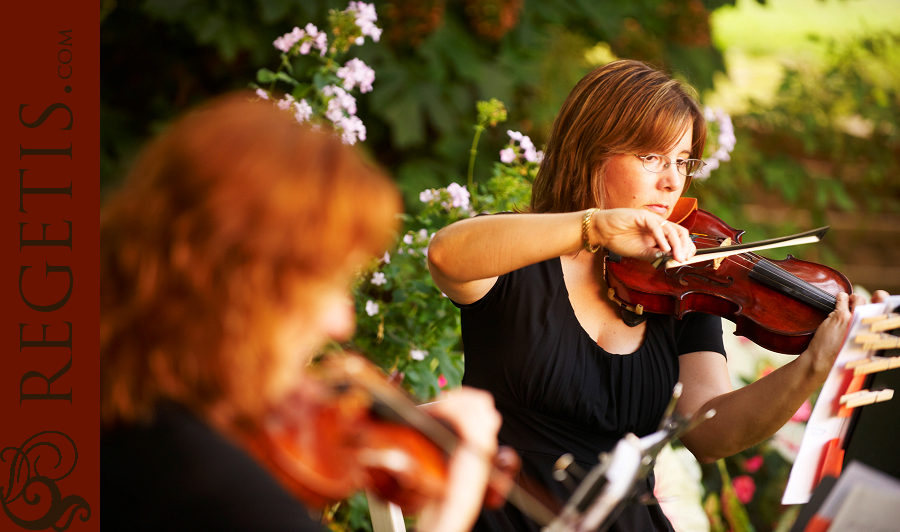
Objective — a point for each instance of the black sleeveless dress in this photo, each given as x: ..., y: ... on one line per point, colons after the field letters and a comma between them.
x: 559, y: 392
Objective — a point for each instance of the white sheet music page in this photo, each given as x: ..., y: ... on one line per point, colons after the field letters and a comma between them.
x: 823, y: 425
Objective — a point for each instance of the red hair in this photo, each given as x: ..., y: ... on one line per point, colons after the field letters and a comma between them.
x: 223, y: 221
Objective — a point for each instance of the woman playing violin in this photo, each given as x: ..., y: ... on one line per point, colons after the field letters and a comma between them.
x: 226, y: 264
x: 567, y: 373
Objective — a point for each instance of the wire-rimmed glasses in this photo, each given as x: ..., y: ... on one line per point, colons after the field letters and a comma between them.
x: 657, y: 163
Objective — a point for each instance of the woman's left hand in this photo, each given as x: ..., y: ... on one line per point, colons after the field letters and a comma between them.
x: 829, y: 338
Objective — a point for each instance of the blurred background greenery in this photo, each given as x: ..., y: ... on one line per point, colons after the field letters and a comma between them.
x: 811, y: 87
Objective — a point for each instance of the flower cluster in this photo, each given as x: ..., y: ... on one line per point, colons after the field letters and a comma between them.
x: 725, y: 141
x: 525, y: 149
x: 455, y: 196
x: 310, y: 102
x: 365, y: 19
x: 302, y: 41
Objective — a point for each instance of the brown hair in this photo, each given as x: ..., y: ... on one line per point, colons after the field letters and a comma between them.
x: 223, y: 221
x: 622, y: 107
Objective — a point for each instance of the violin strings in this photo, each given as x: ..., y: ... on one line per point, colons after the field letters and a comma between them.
x: 778, y: 275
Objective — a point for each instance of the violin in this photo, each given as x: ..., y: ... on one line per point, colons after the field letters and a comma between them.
x: 776, y: 304
x: 348, y: 428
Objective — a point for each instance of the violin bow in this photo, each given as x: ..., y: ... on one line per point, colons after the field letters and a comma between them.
x: 705, y: 254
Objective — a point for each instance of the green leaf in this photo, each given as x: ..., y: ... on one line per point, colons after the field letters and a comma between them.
x: 264, y: 75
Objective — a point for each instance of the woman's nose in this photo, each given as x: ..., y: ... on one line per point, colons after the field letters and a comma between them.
x: 670, y: 178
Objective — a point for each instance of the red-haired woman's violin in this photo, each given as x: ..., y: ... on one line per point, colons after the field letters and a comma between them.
x: 348, y: 428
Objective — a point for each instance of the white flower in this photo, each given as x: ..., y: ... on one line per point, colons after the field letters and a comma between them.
x: 387, y: 258
x: 355, y: 72
x: 418, y: 354
x: 408, y: 239
x: 725, y: 141
x: 262, y: 94
x: 426, y: 195
x: 378, y: 279
x: 352, y: 129
x: 288, y: 40
x: 507, y: 155
x: 515, y: 135
x: 302, y: 111
x: 340, y: 101
x: 371, y: 308
x: 365, y: 19
x: 286, y: 103
x: 459, y: 196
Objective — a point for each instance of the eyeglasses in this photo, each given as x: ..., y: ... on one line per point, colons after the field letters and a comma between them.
x: 658, y: 163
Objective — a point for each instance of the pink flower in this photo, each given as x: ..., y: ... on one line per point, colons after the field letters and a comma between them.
x: 442, y: 381
x: 803, y: 412
x: 355, y: 72
x: 744, y: 488
x: 752, y: 465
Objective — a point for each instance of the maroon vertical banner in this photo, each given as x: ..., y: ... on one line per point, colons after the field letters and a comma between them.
x: 49, y: 285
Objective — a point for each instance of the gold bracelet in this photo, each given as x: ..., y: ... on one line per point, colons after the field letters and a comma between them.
x: 585, y: 225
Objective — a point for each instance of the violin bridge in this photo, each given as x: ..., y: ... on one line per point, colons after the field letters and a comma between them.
x: 718, y: 262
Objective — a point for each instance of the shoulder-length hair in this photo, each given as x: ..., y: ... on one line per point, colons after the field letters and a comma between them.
x: 221, y: 223
x: 622, y: 107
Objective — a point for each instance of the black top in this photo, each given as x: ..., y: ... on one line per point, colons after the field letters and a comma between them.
x: 179, y: 474
x: 559, y: 392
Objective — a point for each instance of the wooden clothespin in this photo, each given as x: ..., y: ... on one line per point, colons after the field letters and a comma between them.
x: 877, y: 341
x: 866, y: 397
x: 883, y: 322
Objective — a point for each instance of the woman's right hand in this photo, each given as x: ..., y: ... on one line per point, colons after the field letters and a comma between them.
x: 641, y: 234
x: 472, y: 415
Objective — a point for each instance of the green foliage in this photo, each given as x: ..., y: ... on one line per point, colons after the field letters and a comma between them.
x: 404, y: 322
x: 436, y: 59
x: 829, y: 142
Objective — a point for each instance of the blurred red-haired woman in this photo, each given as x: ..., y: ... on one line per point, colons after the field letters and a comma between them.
x: 226, y: 261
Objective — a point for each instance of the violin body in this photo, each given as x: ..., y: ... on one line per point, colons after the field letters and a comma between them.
x: 776, y: 304
x: 348, y: 428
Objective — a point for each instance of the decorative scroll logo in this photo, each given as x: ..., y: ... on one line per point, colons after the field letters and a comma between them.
x: 31, y: 499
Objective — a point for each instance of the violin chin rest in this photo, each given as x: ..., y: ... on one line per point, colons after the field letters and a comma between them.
x: 631, y: 319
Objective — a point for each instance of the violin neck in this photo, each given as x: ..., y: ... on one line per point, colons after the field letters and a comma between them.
x: 783, y: 281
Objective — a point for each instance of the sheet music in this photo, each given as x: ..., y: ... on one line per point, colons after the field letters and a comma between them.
x: 863, y: 500
x: 823, y: 425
